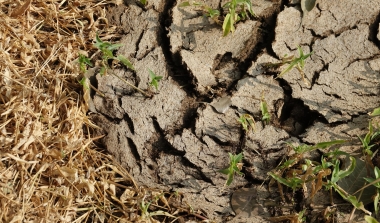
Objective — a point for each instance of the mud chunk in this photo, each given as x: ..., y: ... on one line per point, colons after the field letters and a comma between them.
x: 209, y: 57
x: 263, y: 148
x: 221, y: 127
x: 347, y: 82
x: 249, y: 92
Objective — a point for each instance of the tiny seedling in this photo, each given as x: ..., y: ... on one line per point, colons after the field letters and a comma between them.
x: 107, y: 53
x: 293, y: 182
x: 83, y: 62
x: 264, y: 110
x: 237, y: 10
x: 143, y: 2
x: 367, y: 141
x: 247, y: 122
x: 210, y: 12
x: 297, y: 62
x: 235, y: 167
x: 154, y: 79
x: 233, y: 16
x: 107, y: 49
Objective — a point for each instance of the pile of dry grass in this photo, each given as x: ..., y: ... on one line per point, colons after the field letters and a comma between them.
x: 49, y: 169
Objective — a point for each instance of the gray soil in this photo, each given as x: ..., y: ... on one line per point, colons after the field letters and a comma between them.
x: 179, y: 139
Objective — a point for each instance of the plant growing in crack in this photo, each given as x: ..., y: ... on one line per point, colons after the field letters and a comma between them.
x: 237, y: 10
x: 247, y: 122
x: 292, y: 61
x: 264, y: 110
x: 235, y: 167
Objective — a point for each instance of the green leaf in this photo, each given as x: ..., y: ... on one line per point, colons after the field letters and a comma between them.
x: 323, y: 145
x: 375, y: 112
x: 213, y: 13
x: 225, y: 171
x: 237, y: 158
x: 113, y: 47
x: 125, y: 61
x: 184, y: 4
x: 370, y: 219
x: 103, y: 71
x: 230, y: 179
x: 84, y: 83
x: 143, y: 2
x: 155, y: 79
x: 227, y: 24
x: 83, y: 61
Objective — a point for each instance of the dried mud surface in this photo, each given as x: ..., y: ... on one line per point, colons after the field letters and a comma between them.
x: 180, y: 138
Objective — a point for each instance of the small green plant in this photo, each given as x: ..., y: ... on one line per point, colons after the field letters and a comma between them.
x: 154, y: 79
x: 297, y: 62
x: 83, y: 62
x: 264, y: 110
x: 143, y: 2
x: 293, y: 182
x: 237, y: 10
x: 235, y: 167
x: 368, y: 140
x: 210, y: 12
x: 247, y: 122
x: 107, y: 50
x: 107, y: 53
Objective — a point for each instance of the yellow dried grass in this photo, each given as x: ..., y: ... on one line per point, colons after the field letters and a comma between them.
x: 49, y: 171
x: 50, y: 168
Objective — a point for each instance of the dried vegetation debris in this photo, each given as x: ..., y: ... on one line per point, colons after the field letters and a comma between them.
x: 49, y: 170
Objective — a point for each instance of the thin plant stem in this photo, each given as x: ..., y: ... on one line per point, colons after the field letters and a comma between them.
x: 133, y: 86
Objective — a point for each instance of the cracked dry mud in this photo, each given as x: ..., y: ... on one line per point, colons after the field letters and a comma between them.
x: 178, y: 140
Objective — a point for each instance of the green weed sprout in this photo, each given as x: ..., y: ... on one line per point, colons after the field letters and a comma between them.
x: 292, y: 61
x: 368, y: 139
x: 293, y: 182
x: 107, y: 53
x: 235, y: 167
x: 234, y: 16
x: 247, y: 122
x: 154, y: 79
x: 83, y: 62
x: 210, y: 12
x: 143, y: 2
x: 264, y: 110
x: 107, y: 50
x: 237, y: 10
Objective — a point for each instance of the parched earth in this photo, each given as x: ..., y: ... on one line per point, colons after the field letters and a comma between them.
x: 179, y: 139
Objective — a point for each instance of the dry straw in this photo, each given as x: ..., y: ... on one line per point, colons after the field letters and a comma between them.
x: 49, y: 169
